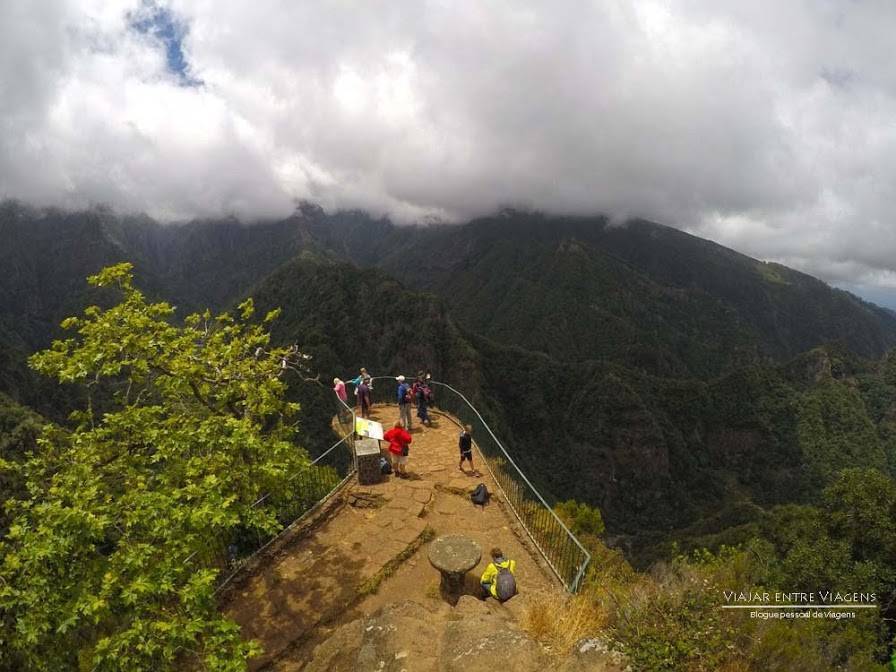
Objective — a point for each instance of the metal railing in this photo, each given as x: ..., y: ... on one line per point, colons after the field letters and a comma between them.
x: 563, y: 552
x: 308, y: 490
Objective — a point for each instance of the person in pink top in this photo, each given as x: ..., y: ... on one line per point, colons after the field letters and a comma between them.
x: 339, y: 389
x: 344, y: 409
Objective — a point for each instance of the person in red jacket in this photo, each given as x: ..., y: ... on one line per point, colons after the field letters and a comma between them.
x: 399, y: 439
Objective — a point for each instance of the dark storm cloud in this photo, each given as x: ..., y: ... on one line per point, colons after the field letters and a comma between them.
x: 767, y: 126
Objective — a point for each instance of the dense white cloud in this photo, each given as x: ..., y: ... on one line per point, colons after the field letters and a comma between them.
x: 768, y: 126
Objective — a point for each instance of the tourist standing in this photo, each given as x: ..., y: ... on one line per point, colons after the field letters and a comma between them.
x: 422, y: 394
x: 399, y: 441
x: 365, y: 378
x: 427, y: 380
x: 465, y: 443
x: 363, y: 399
x: 362, y: 377
x: 339, y: 389
x: 405, y: 399
x: 342, y: 395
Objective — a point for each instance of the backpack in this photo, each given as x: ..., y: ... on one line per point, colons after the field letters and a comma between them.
x: 505, y: 584
x: 480, y: 495
x: 385, y: 467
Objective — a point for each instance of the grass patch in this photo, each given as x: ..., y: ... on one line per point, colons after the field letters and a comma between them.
x: 372, y: 585
x: 559, y: 621
x: 771, y: 272
x: 455, y: 491
x: 433, y: 592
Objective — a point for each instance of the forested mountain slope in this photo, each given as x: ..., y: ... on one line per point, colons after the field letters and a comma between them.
x: 642, y: 294
x: 46, y: 255
x: 635, y: 368
x: 649, y: 295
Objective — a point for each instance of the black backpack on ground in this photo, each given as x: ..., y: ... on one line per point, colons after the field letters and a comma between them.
x: 480, y: 495
x: 385, y: 467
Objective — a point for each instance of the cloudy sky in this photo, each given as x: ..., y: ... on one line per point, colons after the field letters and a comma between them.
x: 768, y: 126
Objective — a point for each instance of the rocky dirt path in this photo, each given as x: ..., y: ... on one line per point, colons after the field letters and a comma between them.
x: 372, y: 553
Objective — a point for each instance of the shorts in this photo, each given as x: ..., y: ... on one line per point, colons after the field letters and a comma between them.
x: 466, y: 455
x: 399, y: 459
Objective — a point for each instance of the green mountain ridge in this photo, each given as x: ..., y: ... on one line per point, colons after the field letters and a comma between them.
x: 506, y: 276
x: 679, y: 386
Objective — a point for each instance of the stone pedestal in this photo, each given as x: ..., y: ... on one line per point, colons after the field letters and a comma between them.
x: 453, y: 555
x: 368, y: 453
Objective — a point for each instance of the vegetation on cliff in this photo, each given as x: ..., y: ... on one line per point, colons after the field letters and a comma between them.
x: 671, y: 618
x: 114, y: 515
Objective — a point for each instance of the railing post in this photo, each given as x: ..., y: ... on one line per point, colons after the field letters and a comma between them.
x: 577, y: 582
x: 351, y: 441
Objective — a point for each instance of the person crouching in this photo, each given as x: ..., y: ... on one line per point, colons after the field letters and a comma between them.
x: 498, y: 579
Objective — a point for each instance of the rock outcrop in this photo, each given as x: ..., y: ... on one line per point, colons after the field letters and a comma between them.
x: 474, y: 636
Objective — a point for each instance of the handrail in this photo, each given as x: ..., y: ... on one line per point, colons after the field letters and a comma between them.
x: 313, y: 463
x: 572, y: 585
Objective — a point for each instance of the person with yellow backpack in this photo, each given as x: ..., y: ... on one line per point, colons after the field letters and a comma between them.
x: 498, y: 578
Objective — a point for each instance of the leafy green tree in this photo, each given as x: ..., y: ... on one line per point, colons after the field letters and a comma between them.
x: 109, y: 563
x: 580, y: 518
x: 835, y: 432
x: 861, y: 510
x: 19, y: 429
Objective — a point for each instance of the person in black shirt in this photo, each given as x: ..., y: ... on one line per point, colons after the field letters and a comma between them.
x: 466, y: 448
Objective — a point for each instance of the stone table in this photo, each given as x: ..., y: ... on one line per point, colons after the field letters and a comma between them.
x: 454, y: 555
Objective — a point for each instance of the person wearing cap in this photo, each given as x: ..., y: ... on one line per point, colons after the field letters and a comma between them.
x: 405, y: 401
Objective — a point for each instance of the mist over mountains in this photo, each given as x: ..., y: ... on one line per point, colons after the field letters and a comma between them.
x: 649, y: 278
x: 680, y: 386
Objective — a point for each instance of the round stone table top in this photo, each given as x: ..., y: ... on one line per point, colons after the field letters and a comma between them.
x: 454, y: 554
